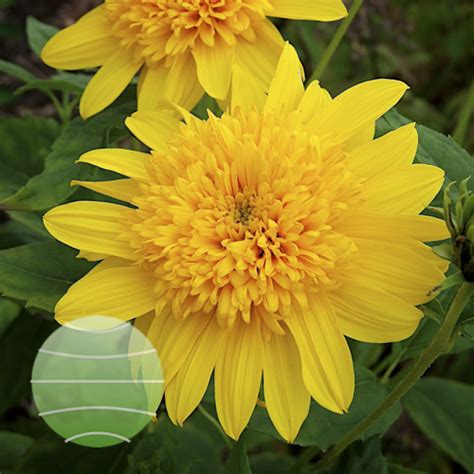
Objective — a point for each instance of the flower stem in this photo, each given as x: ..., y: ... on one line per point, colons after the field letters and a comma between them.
x: 216, y: 424
x: 336, y: 40
x: 439, y: 345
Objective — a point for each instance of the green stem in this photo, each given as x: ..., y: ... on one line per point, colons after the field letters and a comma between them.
x: 462, y: 127
x: 216, y: 424
x: 439, y: 345
x: 336, y: 40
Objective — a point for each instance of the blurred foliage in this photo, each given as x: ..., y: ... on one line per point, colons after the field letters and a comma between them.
x: 429, y: 45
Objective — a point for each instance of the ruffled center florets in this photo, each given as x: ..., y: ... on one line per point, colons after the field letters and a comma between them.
x: 242, y: 215
x: 156, y: 28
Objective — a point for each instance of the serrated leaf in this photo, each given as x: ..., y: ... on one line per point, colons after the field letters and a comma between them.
x: 38, y: 33
x: 25, y: 143
x: 324, y: 428
x: 39, y: 274
x: 18, y: 72
x: 444, y: 411
x: 52, y: 185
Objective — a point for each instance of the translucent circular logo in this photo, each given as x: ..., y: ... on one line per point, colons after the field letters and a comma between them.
x: 97, y: 382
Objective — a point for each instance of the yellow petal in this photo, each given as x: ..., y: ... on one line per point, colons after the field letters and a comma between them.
x: 214, y: 67
x: 366, y: 135
x: 113, y: 288
x: 388, y: 228
x: 389, y: 153
x: 286, y: 396
x: 242, y: 95
x: 109, y: 82
x: 326, y: 360
x: 370, y: 315
x: 91, y: 226
x: 260, y: 58
x: 317, y: 10
x: 359, y: 106
x: 237, y: 376
x: 286, y: 89
x: 178, y: 83
x: 123, y: 189
x: 91, y: 256
x: 397, y: 270
x: 127, y: 162
x: 86, y: 44
x: 185, y: 391
x: 407, y: 191
x: 153, y: 128
x: 174, y: 338
x: 315, y: 100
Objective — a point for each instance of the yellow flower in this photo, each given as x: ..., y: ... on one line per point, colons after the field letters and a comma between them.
x: 182, y: 48
x: 258, y: 240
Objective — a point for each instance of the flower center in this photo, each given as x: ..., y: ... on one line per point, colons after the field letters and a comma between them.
x: 243, y: 217
x: 156, y: 28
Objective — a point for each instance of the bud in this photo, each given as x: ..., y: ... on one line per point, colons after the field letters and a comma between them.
x: 459, y: 216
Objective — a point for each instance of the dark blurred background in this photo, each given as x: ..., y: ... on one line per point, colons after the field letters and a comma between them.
x: 429, y: 44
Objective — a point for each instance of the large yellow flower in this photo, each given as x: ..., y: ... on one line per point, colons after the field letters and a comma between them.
x: 256, y: 241
x: 183, y: 48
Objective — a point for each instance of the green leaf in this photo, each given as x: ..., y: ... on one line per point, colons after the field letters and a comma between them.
x: 168, y: 449
x: 38, y: 33
x: 444, y: 411
x: 361, y: 458
x: 397, y: 469
x: 52, y: 185
x: 238, y: 461
x: 39, y: 274
x: 52, y: 455
x: 9, y: 311
x: 79, y: 80
x: 16, y: 71
x: 324, y: 428
x: 25, y: 143
x: 19, y: 346
x: 271, y: 463
x: 13, y: 446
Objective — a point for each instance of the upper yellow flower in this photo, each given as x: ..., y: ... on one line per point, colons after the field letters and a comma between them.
x: 183, y: 48
x: 256, y: 241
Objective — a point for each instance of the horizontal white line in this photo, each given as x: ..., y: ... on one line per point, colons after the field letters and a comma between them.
x: 97, y: 408
x: 97, y: 433
x: 97, y: 357
x: 97, y: 381
x: 99, y: 331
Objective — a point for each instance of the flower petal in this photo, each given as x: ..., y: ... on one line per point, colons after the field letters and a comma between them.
x: 214, y: 67
x: 407, y: 191
x: 387, y: 154
x: 237, y: 376
x: 122, y: 189
x: 317, y: 10
x: 286, y: 396
x: 127, y: 162
x: 91, y: 226
x: 286, y: 89
x: 185, y: 391
x: 326, y: 360
x: 178, y: 83
x: 113, y: 288
x: 370, y: 315
x: 315, y: 100
x: 243, y: 96
x: 86, y: 44
x: 260, y: 58
x: 108, y: 83
x: 359, y: 106
x: 153, y: 127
